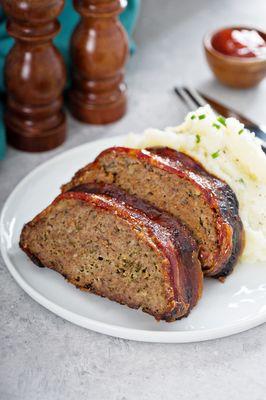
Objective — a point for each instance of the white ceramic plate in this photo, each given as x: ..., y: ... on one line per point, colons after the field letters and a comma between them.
x: 225, y: 309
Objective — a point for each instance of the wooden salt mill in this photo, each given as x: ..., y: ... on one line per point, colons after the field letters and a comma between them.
x: 99, y: 49
x: 35, y: 76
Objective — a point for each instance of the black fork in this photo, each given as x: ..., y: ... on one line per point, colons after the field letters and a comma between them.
x: 190, y: 97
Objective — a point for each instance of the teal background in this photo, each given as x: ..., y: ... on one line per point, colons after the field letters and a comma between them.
x: 68, y: 20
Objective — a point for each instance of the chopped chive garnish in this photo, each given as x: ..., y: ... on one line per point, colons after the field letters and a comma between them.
x: 221, y: 120
x: 193, y: 116
x: 216, y: 154
x: 241, y: 180
x: 197, y: 138
x: 216, y: 125
x: 202, y: 116
x: 241, y: 131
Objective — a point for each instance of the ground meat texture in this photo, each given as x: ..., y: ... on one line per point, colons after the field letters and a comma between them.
x: 177, y: 184
x: 186, y: 248
x: 102, y: 245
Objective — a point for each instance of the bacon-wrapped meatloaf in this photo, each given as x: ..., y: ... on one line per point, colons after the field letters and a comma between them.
x: 117, y: 246
x: 175, y: 183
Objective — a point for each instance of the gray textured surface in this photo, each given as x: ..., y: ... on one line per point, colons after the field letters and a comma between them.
x: 43, y: 357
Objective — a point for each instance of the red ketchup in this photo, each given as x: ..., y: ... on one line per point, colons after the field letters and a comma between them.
x: 245, y: 43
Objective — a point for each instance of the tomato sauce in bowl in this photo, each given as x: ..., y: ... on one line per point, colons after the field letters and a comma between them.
x: 240, y: 42
x: 237, y: 55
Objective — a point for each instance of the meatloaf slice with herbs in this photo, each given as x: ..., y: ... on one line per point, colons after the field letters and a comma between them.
x: 112, y: 245
x: 174, y: 182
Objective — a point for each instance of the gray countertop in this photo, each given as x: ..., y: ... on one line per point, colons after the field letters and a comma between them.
x: 43, y: 357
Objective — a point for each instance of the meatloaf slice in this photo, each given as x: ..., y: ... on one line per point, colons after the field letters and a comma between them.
x: 174, y: 182
x: 101, y: 244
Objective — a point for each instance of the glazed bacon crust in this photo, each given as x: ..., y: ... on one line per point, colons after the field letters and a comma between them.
x: 223, y: 201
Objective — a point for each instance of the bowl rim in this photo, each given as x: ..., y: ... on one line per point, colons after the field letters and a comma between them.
x: 207, y: 42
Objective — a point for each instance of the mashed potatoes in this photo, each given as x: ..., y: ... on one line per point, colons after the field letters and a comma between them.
x: 229, y: 151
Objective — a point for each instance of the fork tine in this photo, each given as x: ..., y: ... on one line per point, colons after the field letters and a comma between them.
x: 176, y: 89
x: 194, y: 94
x: 185, y: 98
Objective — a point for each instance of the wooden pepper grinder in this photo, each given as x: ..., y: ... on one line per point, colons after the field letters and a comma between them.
x: 35, y: 76
x: 99, y: 49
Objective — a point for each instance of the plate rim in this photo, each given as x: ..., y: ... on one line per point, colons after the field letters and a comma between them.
x: 99, y: 326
